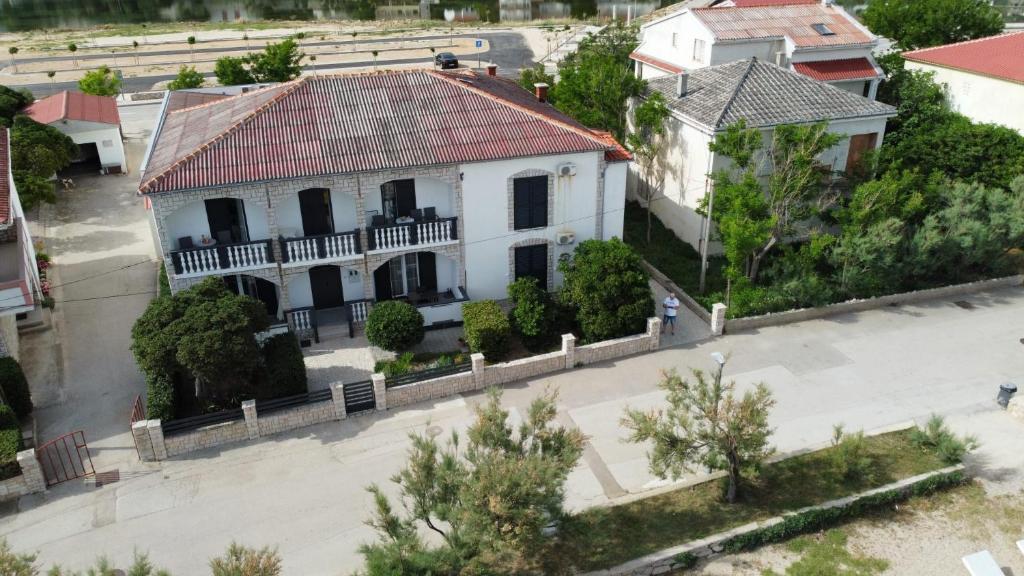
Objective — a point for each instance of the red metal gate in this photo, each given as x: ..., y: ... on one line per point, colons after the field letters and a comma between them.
x: 65, y: 458
x: 138, y: 413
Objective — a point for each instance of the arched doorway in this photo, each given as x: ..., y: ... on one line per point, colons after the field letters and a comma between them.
x: 258, y: 288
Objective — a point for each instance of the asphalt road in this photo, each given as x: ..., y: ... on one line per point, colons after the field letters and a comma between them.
x: 507, y: 49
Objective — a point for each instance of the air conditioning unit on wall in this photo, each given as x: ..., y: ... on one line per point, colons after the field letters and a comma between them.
x: 565, y: 238
x: 567, y: 169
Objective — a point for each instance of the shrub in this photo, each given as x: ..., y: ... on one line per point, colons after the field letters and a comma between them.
x: 394, y: 325
x: 396, y: 367
x: 15, y: 387
x: 284, y: 372
x: 849, y: 455
x: 160, y: 397
x: 606, y: 284
x: 535, y: 316
x: 10, y: 443
x: 487, y: 329
x: 938, y: 437
x: 163, y: 282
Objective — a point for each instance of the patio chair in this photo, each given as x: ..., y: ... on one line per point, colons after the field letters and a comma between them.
x: 417, y: 214
x: 185, y: 242
x: 430, y: 213
x: 377, y: 220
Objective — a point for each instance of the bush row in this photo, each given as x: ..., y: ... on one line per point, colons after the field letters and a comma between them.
x: 15, y: 387
x: 487, y: 329
x: 284, y: 372
x: 10, y: 443
x: 818, y: 519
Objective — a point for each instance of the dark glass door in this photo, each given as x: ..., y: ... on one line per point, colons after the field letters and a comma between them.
x: 227, y: 220
x: 532, y: 261
x: 315, y: 205
x: 325, y: 283
x: 427, y: 266
x: 382, y: 282
x: 398, y: 198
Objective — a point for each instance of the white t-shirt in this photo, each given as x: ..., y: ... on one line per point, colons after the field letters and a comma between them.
x: 671, y: 306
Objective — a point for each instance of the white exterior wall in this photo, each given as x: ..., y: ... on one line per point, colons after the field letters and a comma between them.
x: 343, y: 209
x: 614, y: 199
x: 980, y: 98
x: 487, y: 231
x: 106, y: 137
x: 191, y: 221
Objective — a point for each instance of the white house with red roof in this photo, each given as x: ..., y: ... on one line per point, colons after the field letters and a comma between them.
x: 323, y: 195
x: 984, y: 78
x: 90, y: 121
x: 812, y: 37
x: 19, y: 277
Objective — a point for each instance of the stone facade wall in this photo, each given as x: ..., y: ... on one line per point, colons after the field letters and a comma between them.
x: 206, y: 437
x: 297, y: 417
x: 431, y: 389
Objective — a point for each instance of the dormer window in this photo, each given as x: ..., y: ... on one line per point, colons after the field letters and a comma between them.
x: 823, y: 29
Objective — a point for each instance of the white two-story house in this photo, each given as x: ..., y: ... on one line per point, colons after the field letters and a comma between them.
x: 20, y: 289
x: 323, y: 195
x: 812, y: 37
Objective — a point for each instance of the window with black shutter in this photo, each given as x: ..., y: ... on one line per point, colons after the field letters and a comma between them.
x: 533, y: 261
x: 530, y: 198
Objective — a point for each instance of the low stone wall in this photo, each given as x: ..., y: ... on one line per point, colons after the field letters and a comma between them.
x: 779, y: 318
x: 30, y: 481
x: 515, y: 370
x: 13, y: 488
x: 431, y: 389
x: 665, y: 561
x: 206, y: 437
x: 297, y: 417
x: 611, y: 349
x: 685, y: 298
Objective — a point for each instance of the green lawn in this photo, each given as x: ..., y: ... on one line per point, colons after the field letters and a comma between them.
x: 666, y: 252
x: 605, y: 537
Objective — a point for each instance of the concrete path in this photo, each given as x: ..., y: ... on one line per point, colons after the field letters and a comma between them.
x: 304, y: 491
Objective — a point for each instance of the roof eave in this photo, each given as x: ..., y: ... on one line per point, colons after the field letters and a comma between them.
x: 964, y: 70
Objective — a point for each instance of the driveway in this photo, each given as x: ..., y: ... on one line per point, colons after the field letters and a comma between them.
x: 303, y: 491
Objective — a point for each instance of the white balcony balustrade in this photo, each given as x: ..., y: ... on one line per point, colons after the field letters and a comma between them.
x: 319, y: 249
x: 225, y: 258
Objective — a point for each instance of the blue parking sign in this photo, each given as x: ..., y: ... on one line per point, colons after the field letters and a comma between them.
x: 479, y: 43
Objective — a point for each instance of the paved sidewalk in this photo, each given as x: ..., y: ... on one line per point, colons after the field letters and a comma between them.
x: 304, y: 491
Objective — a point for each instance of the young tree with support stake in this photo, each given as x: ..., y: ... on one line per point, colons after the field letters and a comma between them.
x: 645, y: 141
x: 707, y: 424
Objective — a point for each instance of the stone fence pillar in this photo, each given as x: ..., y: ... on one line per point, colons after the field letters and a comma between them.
x: 156, y: 438
x: 140, y: 432
x: 569, y: 349
x: 718, y: 318
x: 654, y: 332
x: 338, y: 397
x: 31, y: 471
x: 251, y: 425
x: 380, y: 391
x: 479, y: 366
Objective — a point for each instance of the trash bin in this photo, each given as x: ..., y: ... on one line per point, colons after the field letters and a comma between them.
x: 1006, y: 391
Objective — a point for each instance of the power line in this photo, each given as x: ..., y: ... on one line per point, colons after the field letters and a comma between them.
x: 70, y: 282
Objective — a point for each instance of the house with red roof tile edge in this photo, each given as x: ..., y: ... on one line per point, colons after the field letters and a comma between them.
x: 984, y: 78
x: 326, y: 194
x: 90, y: 121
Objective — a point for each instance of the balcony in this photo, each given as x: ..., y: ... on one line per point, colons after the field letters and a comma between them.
x: 405, y: 235
x: 223, y: 258
x: 322, y: 249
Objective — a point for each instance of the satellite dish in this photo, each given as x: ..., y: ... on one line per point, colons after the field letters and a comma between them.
x: 449, y: 15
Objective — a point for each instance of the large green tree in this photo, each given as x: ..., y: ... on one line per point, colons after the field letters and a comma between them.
x: 12, y: 102
x: 232, y: 71
x: 606, y: 284
x: 279, y: 62
x: 38, y: 151
x: 187, y: 78
x: 705, y: 423
x: 597, y: 80
x: 914, y: 24
x: 100, y: 82
x: 488, y: 499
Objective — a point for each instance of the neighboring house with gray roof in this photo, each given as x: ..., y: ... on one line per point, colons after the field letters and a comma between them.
x: 708, y: 100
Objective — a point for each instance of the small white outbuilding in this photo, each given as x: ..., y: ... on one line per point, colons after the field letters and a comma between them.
x: 92, y: 122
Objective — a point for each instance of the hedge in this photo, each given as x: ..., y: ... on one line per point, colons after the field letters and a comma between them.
x: 160, y: 397
x: 394, y: 325
x: 10, y: 443
x: 284, y: 372
x: 487, y: 329
x: 15, y: 387
x: 819, y: 518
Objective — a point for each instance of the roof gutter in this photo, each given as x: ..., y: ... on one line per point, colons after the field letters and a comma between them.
x: 156, y: 134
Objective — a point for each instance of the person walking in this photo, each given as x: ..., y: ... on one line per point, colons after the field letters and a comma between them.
x: 671, y: 306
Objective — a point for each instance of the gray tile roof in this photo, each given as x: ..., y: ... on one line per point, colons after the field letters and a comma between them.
x: 764, y: 95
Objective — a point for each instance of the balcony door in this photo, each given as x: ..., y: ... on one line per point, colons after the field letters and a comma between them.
x: 315, y: 206
x: 226, y: 217
x: 404, y: 274
x: 398, y: 198
x: 325, y: 283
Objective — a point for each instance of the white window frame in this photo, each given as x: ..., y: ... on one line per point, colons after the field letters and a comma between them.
x: 698, y: 50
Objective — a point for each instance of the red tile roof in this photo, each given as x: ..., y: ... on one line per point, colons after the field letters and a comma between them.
x: 617, y: 152
x: 355, y: 123
x: 832, y: 70
x: 792, y: 21
x: 74, y: 106
x: 657, y: 63
x: 5, y: 178
x: 755, y: 3
x: 178, y: 99
x: 997, y: 56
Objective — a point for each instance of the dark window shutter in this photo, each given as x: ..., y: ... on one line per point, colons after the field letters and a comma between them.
x: 521, y: 210
x: 530, y: 196
x: 539, y: 201
x: 522, y: 262
x: 539, y: 264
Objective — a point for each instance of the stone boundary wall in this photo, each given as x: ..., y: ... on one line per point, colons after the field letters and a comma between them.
x: 13, y: 488
x: 205, y: 437
x: 431, y: 389
x: 664, y: 561
x: 298, y: 417
x: 611, y: 349
x: 779, y: 318
x: 505, y: 372
x: 30, y: 481
x: 685, y: 298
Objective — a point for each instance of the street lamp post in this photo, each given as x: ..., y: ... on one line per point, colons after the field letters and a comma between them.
x: 719, y: 359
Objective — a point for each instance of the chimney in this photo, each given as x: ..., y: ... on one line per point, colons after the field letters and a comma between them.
x: 681, y: 83
x: 541, y: 90
x: 492, y: 69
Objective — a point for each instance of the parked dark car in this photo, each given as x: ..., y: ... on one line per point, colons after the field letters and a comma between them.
x: 446, y: 60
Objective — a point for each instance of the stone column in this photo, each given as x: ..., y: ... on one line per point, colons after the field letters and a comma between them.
x: 654, y: 332
x: 156, y: 438
x: 338, y: 397
x: 479, y: 379
x: 569, y: 349
x: 31, y: 471
x: 718, y: 318
x: 251, y: 425
x: 140, y: 432
x: 380, y: 391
